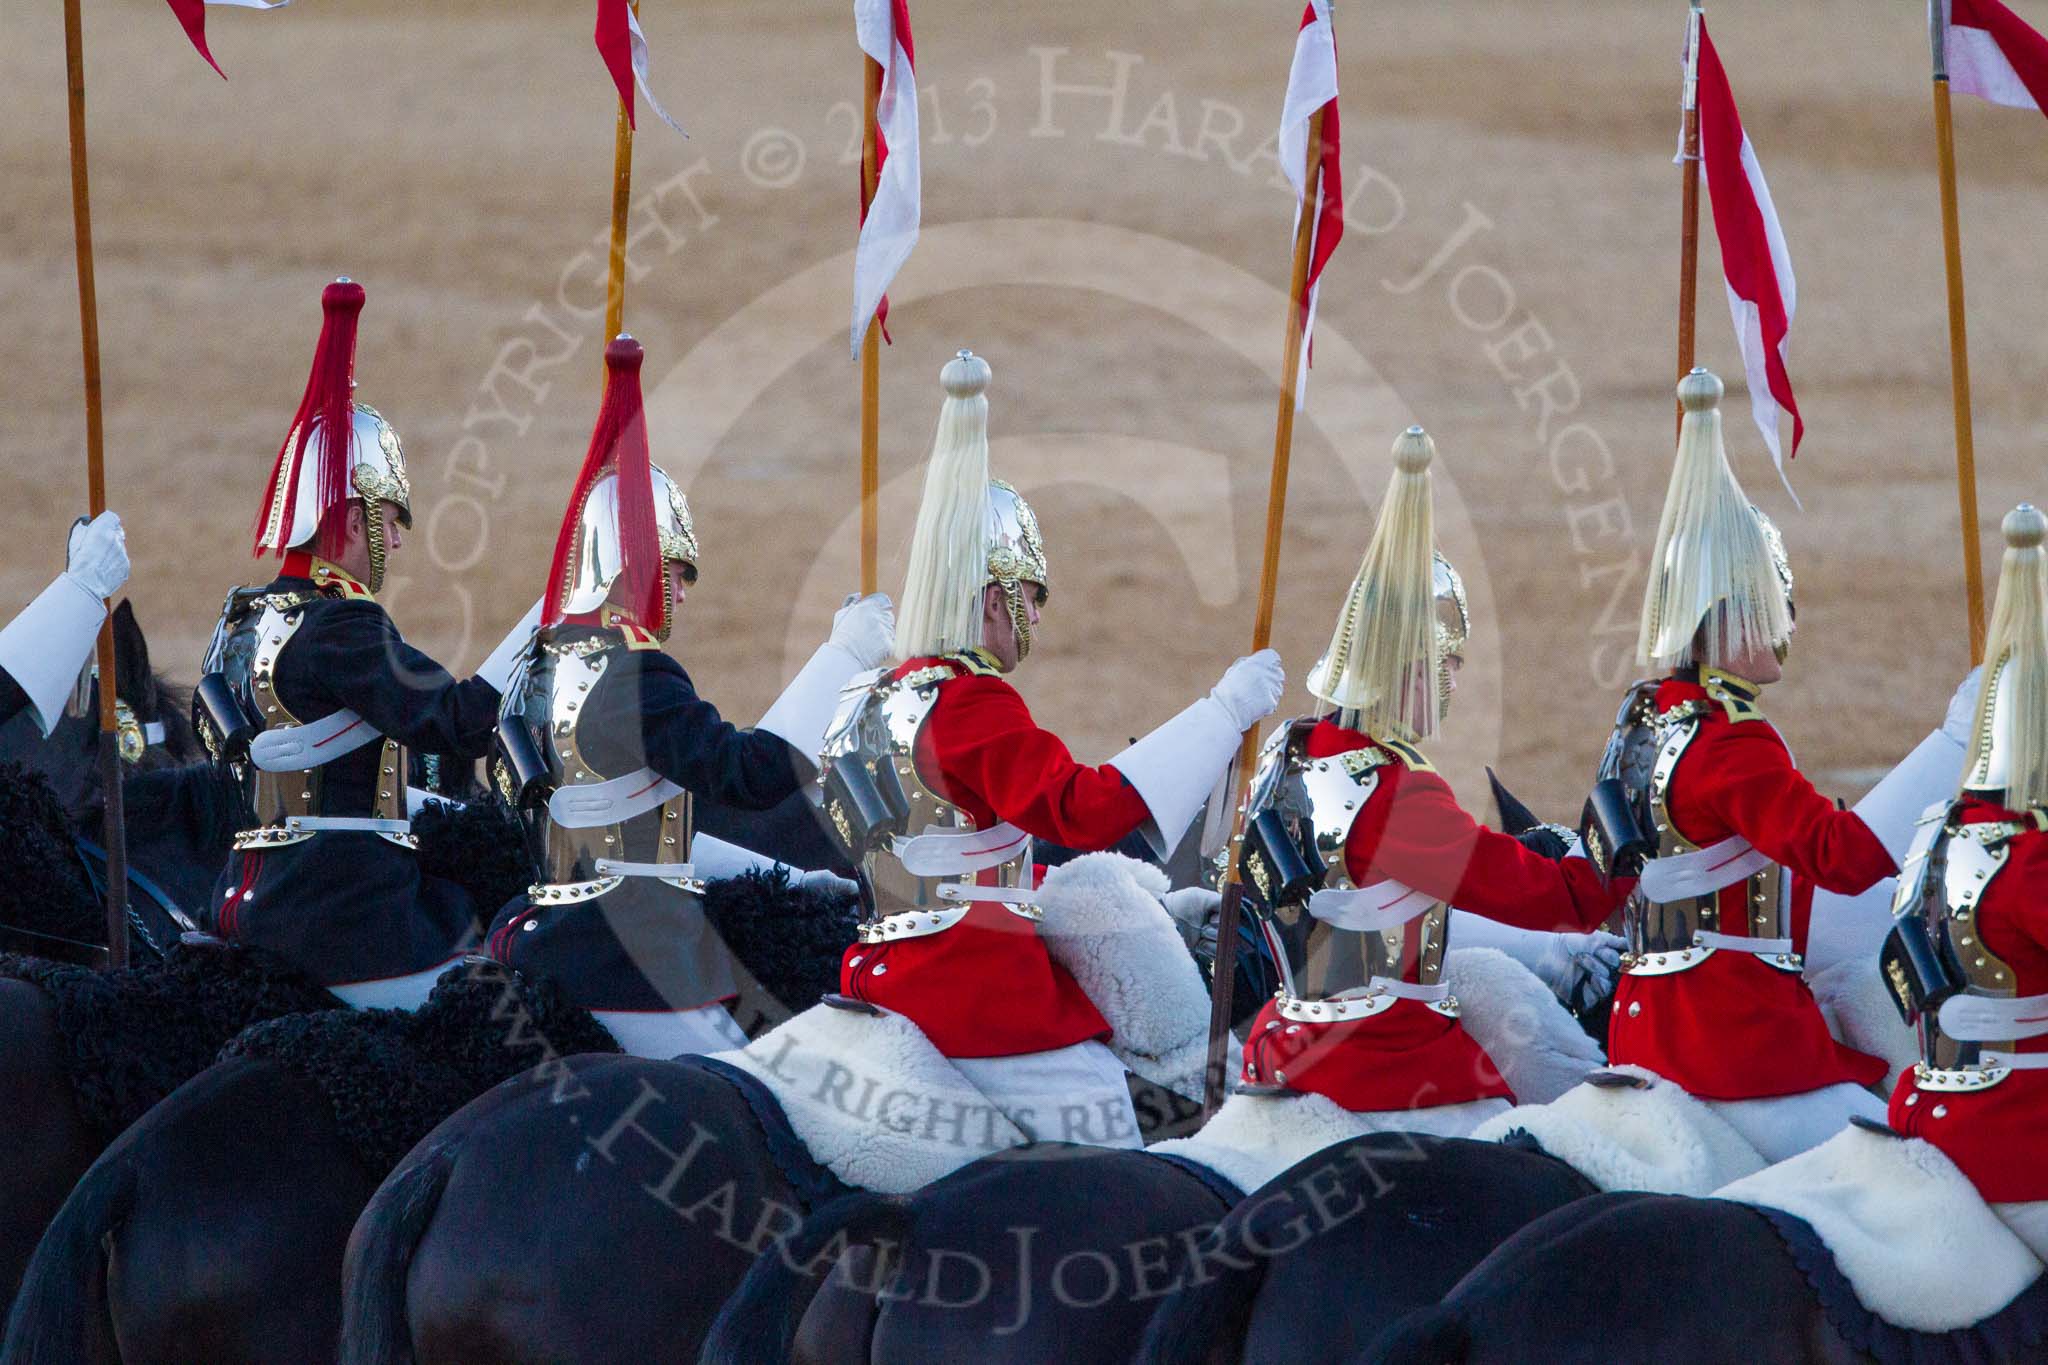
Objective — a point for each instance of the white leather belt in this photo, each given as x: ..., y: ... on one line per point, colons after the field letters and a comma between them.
x: 1370, y: 909
x: 1990, y: 1019
x: 296, y: 748
x: 1365, y: 1001
x: 672, y: 872
x: 353, y: 824
x: 1682, y: 876
x: 1772, y: 952
x: 612, y: 802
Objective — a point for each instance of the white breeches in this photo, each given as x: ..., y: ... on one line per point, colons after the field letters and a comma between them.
x: 664, y: 1034
x: 1783, y: 1126
x: 1071, y: 1094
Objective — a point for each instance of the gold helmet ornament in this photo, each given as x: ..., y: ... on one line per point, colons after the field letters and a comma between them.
x: 1387, y: 668
x: 2008, y: 755
x: 314, y: 473
x: 627, y: 521
x: 972, y: 532
x: 1720, y: 587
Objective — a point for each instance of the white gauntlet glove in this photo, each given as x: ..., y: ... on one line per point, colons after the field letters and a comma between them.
x: 98, y: 556
x: 1250, y: 689
x: 498, y: 668
x: 1962, y: 708
x: 1579, y: 969
x: 865, y: 627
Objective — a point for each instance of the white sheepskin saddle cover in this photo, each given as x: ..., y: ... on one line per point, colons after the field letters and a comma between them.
x: 1253, y: 1138
x: 1104, y: 923
x: 1539, y: 1049
x: 1907, y: 1229
x: 873, y: 1100
x: 1654, y: 1137
x: 1538, y: 1046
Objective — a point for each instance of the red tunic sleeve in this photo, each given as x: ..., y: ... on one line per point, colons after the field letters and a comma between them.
x: 1414, y: 831
x: 991, y: 759
x: 1741, y: 777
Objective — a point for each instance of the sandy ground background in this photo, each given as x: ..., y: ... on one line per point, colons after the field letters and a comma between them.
x: 1099, y: 223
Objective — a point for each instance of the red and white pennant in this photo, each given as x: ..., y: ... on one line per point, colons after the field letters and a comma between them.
x: 1312, y: 85
x: 889, y: 219
x: 1762, y: 294
x: 1994, y: 55
x: 192, y: 14
x: 624, y: 49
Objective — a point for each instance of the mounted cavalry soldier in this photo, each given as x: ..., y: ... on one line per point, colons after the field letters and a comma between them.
x: 604, y: 741
x: 1969, y: 958
x: 939, y: 777
x: 45, y: 648
x: 1356, y: 848
x: 309, y: 700
x: 1715, y: 1024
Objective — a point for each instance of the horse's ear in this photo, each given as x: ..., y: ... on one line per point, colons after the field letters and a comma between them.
x: 132, y: 678
x: 1515, y: 818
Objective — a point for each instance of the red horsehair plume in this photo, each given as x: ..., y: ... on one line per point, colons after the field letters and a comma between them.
x: 329, y: 399
x: 618, y: 445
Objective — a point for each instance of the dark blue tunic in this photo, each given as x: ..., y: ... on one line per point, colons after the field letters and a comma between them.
x: 346, y: 906
x: 646, y: 945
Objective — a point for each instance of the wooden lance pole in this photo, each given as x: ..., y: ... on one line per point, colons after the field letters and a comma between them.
x: 622, y: 208
x: 115, y: 832
x: 1224, y: 972
x: 1689, y: 238
x: 1958, y: 332
x: 870, y: 355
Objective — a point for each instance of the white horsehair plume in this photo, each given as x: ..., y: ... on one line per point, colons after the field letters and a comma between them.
x: 1714, y: 595
x: 940, y: 611
x: 1384, y: 656
x: 2010, y: 737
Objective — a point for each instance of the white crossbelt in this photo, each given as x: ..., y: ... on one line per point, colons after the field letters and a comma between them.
x: 956, y: 853
x: 1990, y: 1019
x: 1702, y: 872
x: 297, y: 748
x: 1370, y: 909
x: 612, y: 802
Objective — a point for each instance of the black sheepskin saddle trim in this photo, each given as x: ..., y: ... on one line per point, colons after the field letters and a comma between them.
x: 789, y: 938
x: 44, y: 889
x: 392, y: 1075
x: 2017, y: 1331
x: 133, y: 1036
x: 477, y: 846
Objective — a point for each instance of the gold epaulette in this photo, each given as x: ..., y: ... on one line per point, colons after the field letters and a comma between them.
x: 1737, y: 697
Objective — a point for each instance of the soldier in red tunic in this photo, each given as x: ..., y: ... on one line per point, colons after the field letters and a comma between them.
x: 1365, y: 1017
x: 963, y: 780
x: 1973, y: 905
x: 1713, y: 994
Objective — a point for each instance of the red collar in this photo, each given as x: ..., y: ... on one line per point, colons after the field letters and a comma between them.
x: 325, y: 576
x: 1330, y: 738
x: 976, y: 661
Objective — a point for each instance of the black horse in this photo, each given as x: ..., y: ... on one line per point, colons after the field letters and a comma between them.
x: 267, y: 1205
x: 1322, y: 1258
x: 1632, y: 1276
x: 1046, y: 1252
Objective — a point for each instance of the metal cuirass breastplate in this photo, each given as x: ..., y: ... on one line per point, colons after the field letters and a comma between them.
x: 881, y: 729
x: 255, y: 631
x: 549, y: 699
x: 1669, y: 927
x: 1317, y: 801
x: 1973, y: 857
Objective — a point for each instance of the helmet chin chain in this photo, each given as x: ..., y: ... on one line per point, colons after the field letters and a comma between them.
x: 668, y: 604
x: 1020, y: 616
x: 373, y: 522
